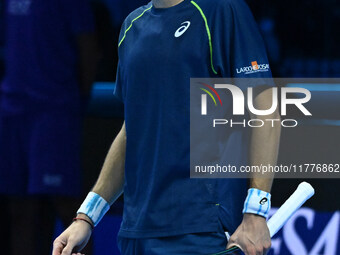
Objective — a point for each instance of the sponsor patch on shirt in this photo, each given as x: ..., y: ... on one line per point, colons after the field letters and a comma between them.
x: 253, y: 68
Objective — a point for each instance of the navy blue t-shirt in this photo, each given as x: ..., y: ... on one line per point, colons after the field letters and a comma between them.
x: 159, y: 51
x: 41, y: 52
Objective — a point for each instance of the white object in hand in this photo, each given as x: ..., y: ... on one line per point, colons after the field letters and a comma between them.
x: 303, y: 192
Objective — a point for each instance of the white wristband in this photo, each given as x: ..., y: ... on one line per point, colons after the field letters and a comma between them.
x: 95, y: 207
x: 257, y: 202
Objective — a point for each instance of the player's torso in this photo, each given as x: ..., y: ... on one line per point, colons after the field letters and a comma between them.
x: 161, y: 52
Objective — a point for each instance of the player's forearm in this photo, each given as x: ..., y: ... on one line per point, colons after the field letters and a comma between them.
x: 264, y: 145
x: 111, y: 179
x: 264, y: 151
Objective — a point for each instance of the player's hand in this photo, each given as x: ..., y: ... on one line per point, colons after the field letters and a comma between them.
x: 73, y: 239
x: 252, y: 236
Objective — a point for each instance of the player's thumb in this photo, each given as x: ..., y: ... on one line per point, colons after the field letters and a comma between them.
x: 232, y: 243
x: 68, y: 248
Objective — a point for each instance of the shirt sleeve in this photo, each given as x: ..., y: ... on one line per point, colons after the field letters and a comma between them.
x: 239, y: 47
x: 120, y: 77
x: 118, y: 92
x: 79, y: 16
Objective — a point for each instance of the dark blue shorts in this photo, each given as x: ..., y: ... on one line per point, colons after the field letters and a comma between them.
x: 39, y: 153
x: 188, y: 244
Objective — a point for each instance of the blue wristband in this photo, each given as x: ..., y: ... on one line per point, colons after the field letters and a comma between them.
x: 257, y: 202
x: 95, y: 207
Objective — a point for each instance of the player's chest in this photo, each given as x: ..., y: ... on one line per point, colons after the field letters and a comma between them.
x: 169, y: 41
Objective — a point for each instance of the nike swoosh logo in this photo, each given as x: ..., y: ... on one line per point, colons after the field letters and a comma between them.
x: 181, y: 30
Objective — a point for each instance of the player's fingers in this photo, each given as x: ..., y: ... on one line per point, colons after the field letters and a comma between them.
x: 259, y: 250
x: 233, y: 243
x: 251, y: 250
x: 68, y: 249
x: 246, y: 248
x: 57, y: 247
x: 263, y: 248
x: 267, y: 244
x: 266, y: 247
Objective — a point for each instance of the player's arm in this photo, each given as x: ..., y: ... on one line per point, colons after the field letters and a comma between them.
x: 264, y: 144
x: 107, y: 189
x: 252, y: 236
x: 111, y: 178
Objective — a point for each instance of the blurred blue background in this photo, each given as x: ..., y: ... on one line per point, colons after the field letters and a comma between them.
x: 302, y: 39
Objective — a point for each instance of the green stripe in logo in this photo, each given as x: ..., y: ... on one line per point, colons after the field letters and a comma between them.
x: 210, y: 95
